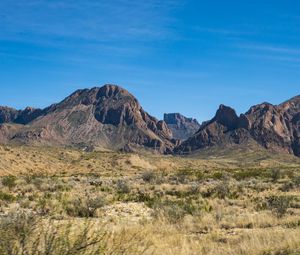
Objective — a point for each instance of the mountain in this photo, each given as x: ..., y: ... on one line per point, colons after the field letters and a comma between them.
x: 182, y: 127
x: 11, y: 115
x: 274, y: 127
x: 108, y: 117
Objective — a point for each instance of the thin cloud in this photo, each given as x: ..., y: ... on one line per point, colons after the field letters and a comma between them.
x: 89, y: 20
x: 270, y: 48
x: 222, y: 31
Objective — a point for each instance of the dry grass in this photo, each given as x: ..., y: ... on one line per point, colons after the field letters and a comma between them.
x: 149, y: 204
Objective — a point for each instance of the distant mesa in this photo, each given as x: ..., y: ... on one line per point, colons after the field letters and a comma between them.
x: 110, y: 117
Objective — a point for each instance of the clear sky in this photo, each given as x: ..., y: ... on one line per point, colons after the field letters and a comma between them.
x: 184, y: 56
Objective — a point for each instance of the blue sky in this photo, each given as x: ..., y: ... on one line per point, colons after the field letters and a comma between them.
x: 184, y: 56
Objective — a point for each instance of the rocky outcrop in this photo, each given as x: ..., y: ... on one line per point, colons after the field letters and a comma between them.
x: 182, y: 127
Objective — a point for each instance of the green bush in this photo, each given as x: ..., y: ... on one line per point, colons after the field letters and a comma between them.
x: 248, y: 173
x: 84, y: 208
x: 148, y: 176
x: 275, y: 175
x: 174, y: 211
x: 123, y: 187
x: 9, y: 181
x: 7, y: 197
x: 279, y: 204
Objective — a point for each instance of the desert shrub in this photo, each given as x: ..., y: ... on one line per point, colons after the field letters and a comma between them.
x: 248, y: 173
x: 9, y: 181
x: 84, y: 208
x: 7, y: 197
x: 193, y: 189
x: 217, y: 175
x: 275, y: 175
x: 122, y: 187
x: 150, y: 200
x: 28, y: 234
x: 30, y: 178
x: 173, y: 211
x: 287, y: 186
x: 296, y: 181
x: 148, y: 176
x: 183, y: 175
x: 278, y: 204
x: 222, y: 190
x: 38, y: 182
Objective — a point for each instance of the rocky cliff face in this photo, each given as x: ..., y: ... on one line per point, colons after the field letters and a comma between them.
x: 182, y: 127
x: 108, y: 117
x: 275, y: 127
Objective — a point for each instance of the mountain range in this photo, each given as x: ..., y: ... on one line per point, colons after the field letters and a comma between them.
x: 110, y: 117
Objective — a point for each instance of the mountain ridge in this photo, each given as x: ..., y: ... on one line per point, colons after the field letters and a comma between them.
x: 111, y: 117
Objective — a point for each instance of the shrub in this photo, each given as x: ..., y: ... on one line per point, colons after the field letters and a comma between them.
x: 84, y: 208
x: 123, y: 187
x: 275, y: 175
x: 28, y: 234
x: 6, y: 197
x: 287, y: 186
x: 247, y: 173
x: 9, y: 181
x: 218, y: 175
x: 222, y: 190
x: 148, y: 176
x: 279, y: 204
x: 296, y: 181
x: 173, y: 211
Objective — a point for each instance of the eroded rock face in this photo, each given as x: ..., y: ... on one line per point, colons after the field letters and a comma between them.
x: 108, y: 117
x: 182, y: 127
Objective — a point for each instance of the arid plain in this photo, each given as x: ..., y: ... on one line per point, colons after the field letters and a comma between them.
x: 66, y: 201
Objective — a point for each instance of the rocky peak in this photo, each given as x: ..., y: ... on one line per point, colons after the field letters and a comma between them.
x: 227, y: 117
x: 110, y: 90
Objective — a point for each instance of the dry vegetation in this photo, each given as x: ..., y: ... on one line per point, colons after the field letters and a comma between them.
x: 64, y: 201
